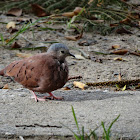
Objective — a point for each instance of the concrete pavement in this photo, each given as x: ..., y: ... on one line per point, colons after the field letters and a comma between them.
x: 22, y: 116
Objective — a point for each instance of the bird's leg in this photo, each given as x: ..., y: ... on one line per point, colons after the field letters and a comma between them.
x: 37, y: 98
x: 51, y: 96
x: 54, y: 97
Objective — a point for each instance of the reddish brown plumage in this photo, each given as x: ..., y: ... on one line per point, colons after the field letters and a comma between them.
x: 43, y: 72
x: 2, y: 72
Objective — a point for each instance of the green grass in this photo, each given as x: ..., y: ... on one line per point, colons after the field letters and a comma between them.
x: 23, y: 29
x: 2, y: 39
x: 82, y: 135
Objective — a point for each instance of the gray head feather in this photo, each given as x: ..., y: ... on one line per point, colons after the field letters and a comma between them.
x: 57, y: 47
x: 59, y: 50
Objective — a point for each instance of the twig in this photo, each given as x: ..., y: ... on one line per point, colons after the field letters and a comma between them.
x: 82, y: 52
x: 101, y: 53
x: 112, y: 83
x: 134, y: 53
x: 75, y: 77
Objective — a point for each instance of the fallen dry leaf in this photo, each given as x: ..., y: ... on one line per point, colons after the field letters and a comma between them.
x: 79, y: 84
x: 123, y: 31
x: 68, y: 14
x: 23, y: 55
x: 120, y: 52
x: 39, y: 11
x: 66, y: 88
x: 119, y: 77
x: 116, y: 46
x: 124, y: 88
x: 90, y: 1
x: 71, y: 38
x: 15, y: 46
x: 6, y: 86
x: 125, y: 21
x: 79, y: 57
x: 11, y: 24
x: 15, y: 12
x: 114, y: 25
x: 77, y: 10
x: 74, y: 38
x: 118, y: 59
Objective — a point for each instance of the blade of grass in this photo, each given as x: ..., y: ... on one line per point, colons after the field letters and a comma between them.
x: 74, y: 18
x: 2, y: 38
x: 33, y: 35
x: 108, y: 131
x: 24, y: 28
x: 75, y: 135
x: 76, y: 120
x: 92, y: 133
x: 3, y: 22
x: 105, y: 132
x: 101, y: 12
x: 82, y: 136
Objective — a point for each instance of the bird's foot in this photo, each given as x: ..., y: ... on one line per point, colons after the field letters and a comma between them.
x: 47, y: 97
x: 52, y: 97
x: 37, y: 98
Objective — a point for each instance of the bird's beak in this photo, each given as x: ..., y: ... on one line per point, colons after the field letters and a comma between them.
x: 70, y: 54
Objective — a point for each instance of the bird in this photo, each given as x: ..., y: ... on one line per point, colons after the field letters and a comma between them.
x: 43, y: 73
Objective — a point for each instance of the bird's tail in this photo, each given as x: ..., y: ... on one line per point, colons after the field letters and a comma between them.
x: 2, y: 72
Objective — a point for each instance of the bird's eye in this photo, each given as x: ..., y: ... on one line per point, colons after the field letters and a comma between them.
x: 62, y: 51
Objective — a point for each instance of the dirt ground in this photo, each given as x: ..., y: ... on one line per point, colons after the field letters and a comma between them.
x: 97, y: 69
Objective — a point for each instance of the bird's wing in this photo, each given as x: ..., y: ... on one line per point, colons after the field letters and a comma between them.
x: 27, y: 71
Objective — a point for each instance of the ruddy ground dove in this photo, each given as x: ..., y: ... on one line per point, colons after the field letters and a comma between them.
x: 43, y: 72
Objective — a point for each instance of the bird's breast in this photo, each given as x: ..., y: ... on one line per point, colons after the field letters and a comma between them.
x: 60, y: 75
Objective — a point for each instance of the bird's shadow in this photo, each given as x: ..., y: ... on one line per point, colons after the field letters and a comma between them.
x: 77, y: 95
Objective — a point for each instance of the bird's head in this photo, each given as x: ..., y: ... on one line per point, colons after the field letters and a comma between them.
x: 59, y: 50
